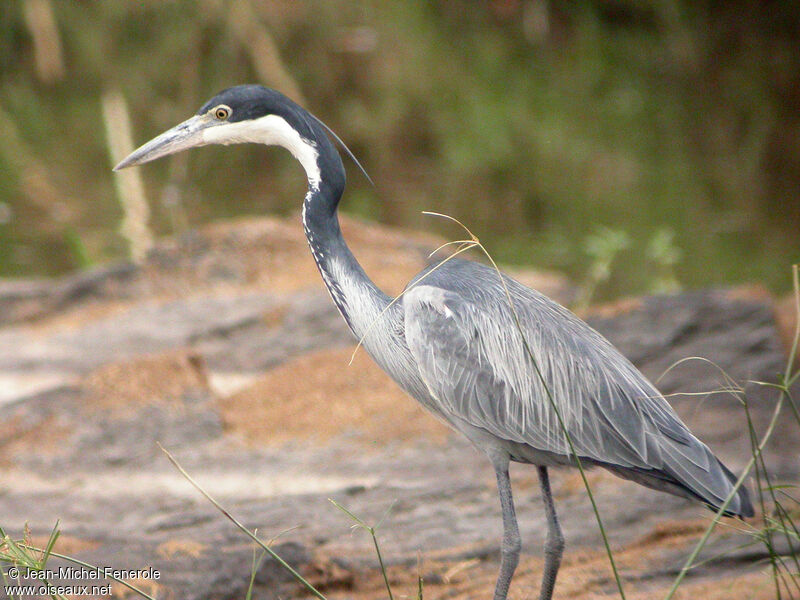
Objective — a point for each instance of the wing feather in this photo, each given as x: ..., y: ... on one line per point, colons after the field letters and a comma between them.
x: 471, y: 356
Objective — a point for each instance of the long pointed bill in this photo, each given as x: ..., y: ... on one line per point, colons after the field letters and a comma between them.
x: 181, y: 137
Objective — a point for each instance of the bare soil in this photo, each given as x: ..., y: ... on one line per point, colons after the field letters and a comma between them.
x: 322, y: 395
x: 225, y: 349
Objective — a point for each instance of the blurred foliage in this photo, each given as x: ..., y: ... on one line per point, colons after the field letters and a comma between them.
x: 536, y: 122
x: 602, y: 246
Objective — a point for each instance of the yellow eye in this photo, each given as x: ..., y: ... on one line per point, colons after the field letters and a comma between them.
x: 222, y: 112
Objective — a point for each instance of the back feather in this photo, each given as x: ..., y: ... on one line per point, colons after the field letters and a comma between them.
x: 470, y: 353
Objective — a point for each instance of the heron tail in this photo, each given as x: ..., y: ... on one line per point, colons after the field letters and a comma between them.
x: 712, y: 485
x: 745, y: 505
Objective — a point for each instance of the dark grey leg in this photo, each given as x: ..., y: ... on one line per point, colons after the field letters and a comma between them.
x: 554, y: 543
x: 509, y: 551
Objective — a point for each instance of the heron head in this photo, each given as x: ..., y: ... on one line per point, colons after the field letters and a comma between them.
x: 245, y: 113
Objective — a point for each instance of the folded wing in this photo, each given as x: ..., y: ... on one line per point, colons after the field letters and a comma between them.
x: 471, y: 353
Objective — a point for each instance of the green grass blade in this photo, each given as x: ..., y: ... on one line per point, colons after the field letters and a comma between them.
x: 550, y: 399
x: 707, y: 534
x: 360, y: 523
x: 299, y: 578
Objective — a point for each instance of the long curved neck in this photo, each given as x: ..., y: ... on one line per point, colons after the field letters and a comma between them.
x: 356, y: 296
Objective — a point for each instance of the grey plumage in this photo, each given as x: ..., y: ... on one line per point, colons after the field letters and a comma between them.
x: 451, y: 341
x: 461, y: 331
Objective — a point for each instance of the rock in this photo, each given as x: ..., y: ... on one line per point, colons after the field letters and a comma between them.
x: 38, y: 360
x: 786, y: 312
x: 243, y: 254
x: 694, y: 345
x: 30, y: 300
x: 111, y: 363
x: 733, y: 329
x: 115, y: 417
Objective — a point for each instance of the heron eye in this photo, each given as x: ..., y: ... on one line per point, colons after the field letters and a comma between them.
x: 222, y: 112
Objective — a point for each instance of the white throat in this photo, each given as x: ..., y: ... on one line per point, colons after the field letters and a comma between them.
x: 271, y: 130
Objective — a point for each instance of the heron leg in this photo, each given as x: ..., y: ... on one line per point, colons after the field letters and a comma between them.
x: 512, y: 544
x: 554, y: 543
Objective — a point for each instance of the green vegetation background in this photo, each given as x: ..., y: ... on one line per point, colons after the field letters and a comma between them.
x: 656, y: 140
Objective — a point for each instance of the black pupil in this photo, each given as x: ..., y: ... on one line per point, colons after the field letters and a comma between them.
x: 221, y: 113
